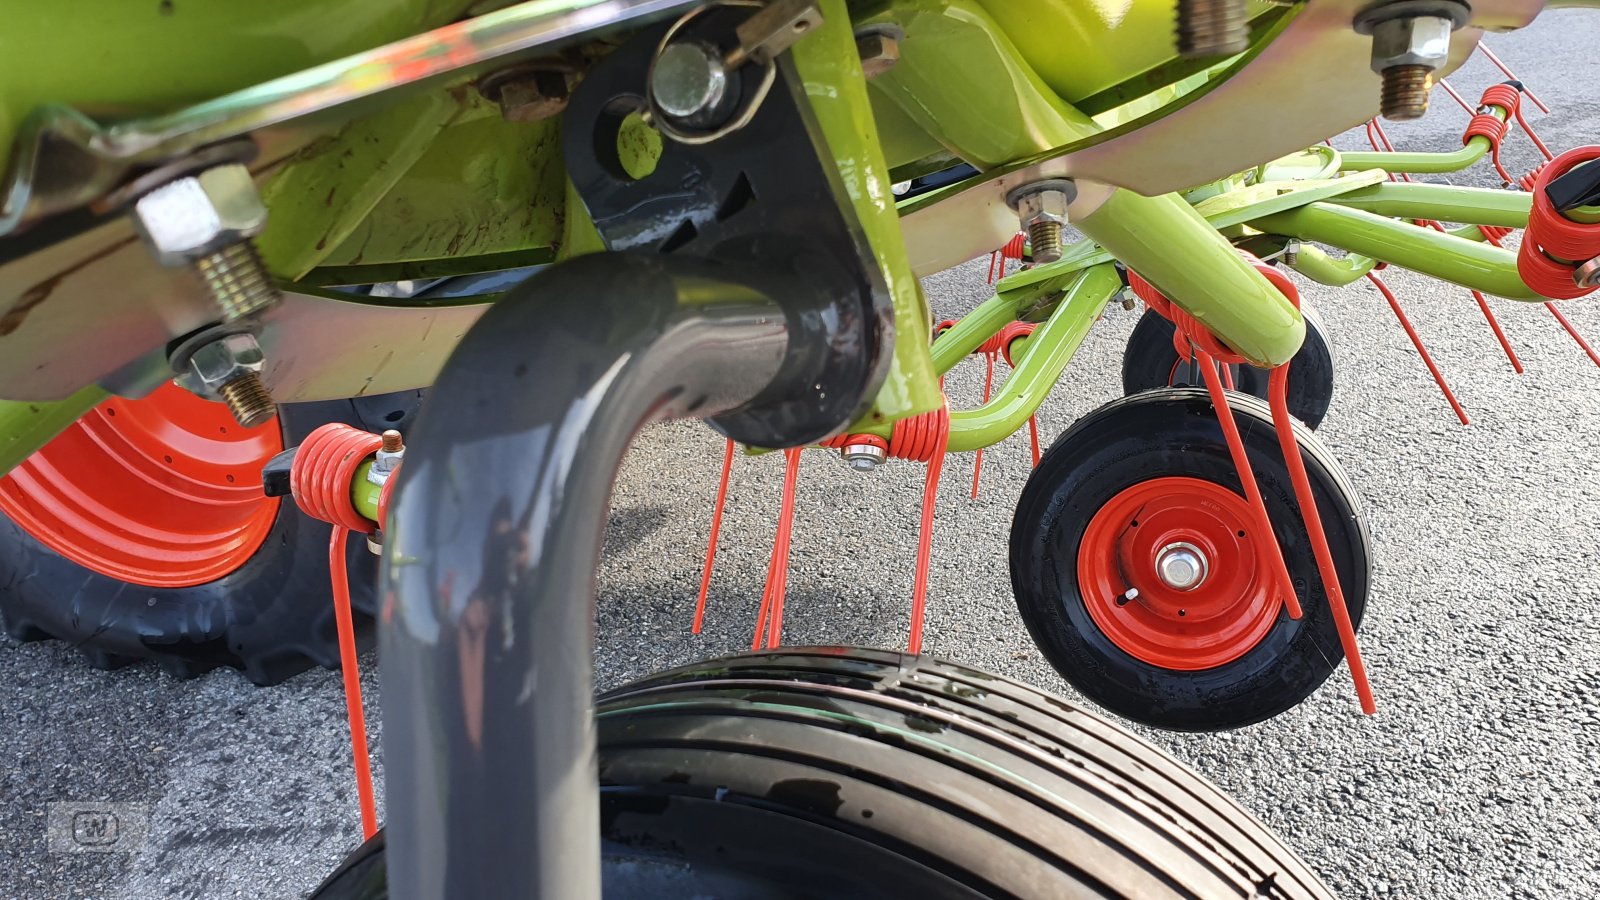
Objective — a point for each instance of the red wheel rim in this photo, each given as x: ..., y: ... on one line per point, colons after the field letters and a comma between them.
x: 1211, y: 624
x: 162, y: 492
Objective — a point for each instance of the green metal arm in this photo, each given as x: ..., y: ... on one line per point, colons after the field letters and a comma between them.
x: 25, y: 427
x: 1049, y: 349
x: 1448, y: 257
x: 1314, y: 263
x: 1441, y: 203
x: 1171, y: 244
x: 1417, y: 163
x: 1039, y: 362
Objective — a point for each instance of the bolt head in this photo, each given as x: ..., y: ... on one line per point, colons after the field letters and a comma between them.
x: 223, y: 360
x: 879, y: 53
x: 1042, y: 203
x: 689, y: 80
x: 196, y: 215
x: 1412, y: 41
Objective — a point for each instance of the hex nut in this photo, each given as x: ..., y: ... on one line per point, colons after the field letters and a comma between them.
x: 223, y: 360
x: 879, y: 53
x: 1047, y: 202
x: 196, y: 215
x: 533, y: 96
x: 1411, y: 41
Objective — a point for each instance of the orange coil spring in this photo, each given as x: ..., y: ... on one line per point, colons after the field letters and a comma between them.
x: 1187, y: 330
x: 323, y: 470
x: 1554, y: 245
x: 320, y: 479
x: 1487, y: 125
x: 918, y: 438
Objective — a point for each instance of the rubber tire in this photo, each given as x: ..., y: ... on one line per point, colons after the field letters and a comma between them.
x: 271, y: 618
x: 1149, y: 358
x: 839, y: 772
x: 1176, y: 432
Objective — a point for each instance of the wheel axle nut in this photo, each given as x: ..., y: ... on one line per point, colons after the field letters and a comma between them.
x: 1181, y: 566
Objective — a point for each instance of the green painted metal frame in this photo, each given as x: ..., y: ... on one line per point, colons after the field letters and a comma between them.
x: 25, y: 427
x: 1078, y: 299
x: 1449, y: 257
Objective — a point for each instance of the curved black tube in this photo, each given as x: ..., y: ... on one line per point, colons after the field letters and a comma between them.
x: 487, y: 617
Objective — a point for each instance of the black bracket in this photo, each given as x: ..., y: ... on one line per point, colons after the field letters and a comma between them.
x: 766, y: 195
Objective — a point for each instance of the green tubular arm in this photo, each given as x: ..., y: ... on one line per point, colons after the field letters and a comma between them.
x: 1050, y: 348
x: 364, y: 494
x: 1448, y: 257
x: 1441, y: 203
x: 1170, y: 244
x: 25, y: 427
x: 1423, y: 163
x: 1416, y: 163
x: 1314, y: 263
x: 993, y: 314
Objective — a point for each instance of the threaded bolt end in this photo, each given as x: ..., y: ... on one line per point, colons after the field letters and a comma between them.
x: 237, y: 280
x: 392, y: 442
x: 1405, y: 92
x: 1045, y: 240
x: 249, y: 400
x: 1209, y: 28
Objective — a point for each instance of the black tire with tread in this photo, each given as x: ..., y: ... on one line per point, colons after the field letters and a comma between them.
x: 840, y: 772
x: 1175, y: 432
x: 1149, y: 358
x: 271, y: 618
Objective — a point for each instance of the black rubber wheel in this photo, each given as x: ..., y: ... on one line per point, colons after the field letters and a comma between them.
x: 1170, y: 442
x: 1150, y: 362
x: 271, y: 618
x: 845, y: 773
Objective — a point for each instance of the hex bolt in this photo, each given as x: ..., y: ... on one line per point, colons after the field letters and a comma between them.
x: 237, y: 280
x: 1208, y: 28
x: 388, y: 458
x: 1410, y: 41
x: 1291, y: 252
x: 206, y: 221
x: 1042, y: 210
x: 249, y: 400
x: 228, y: 368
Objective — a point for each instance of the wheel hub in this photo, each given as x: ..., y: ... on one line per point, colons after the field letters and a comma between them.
x: 160, y: 492
x: 1173, y: 572
x: 1182, y: 566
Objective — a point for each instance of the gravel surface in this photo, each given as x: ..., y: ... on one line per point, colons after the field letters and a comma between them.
x: 1476, y: 779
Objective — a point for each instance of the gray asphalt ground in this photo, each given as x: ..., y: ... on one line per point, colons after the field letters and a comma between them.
x: 1478, y: 777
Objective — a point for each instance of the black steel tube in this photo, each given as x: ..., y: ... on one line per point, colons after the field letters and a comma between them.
x: 488, y: 608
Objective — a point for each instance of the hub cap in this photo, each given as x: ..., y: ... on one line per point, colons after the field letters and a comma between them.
x: 161, y: 492
x: 1171, y: 571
